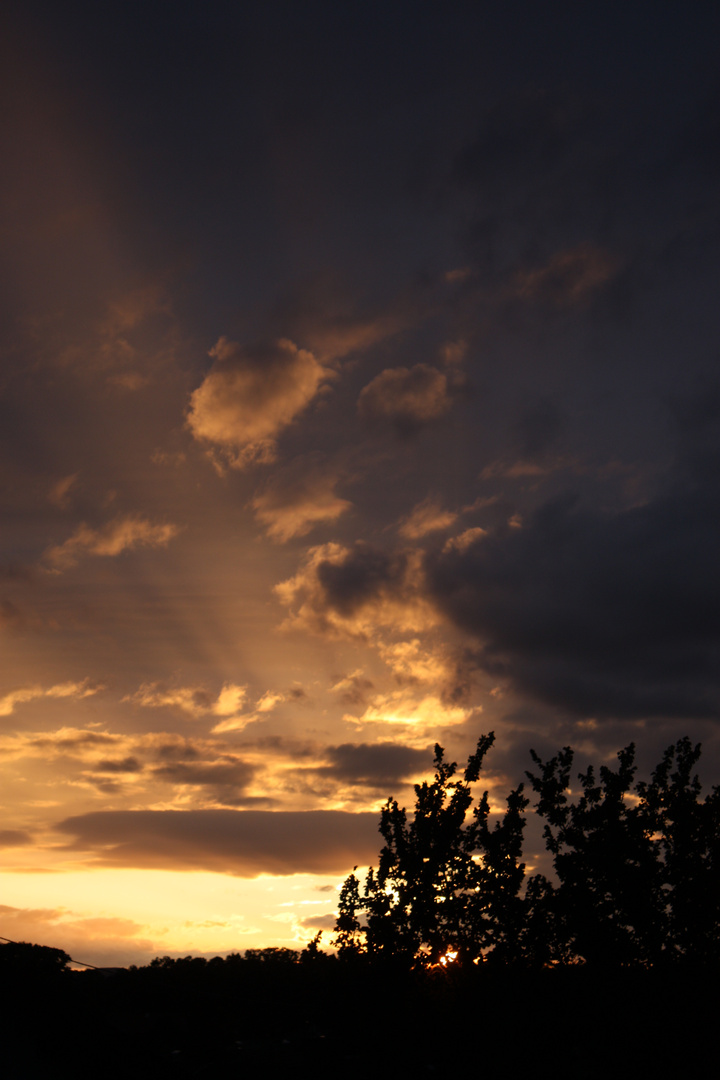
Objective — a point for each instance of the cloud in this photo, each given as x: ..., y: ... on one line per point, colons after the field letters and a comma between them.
x: 129, y: 380
x: 595, y: 613
x: 249, y: 395
x: 568, y: 278
x: 65, y: 740
x: 76, y: 690
x: 465, y: 539
x: 540, y: 427
x: 225, y: 779
x: 350, y: 592
x: 295, y: 501
x: 60, y: 491
x: 420, y: 717
x: 198, y: 703
x: 451, y: 673
x: 517, y: 470
x: 126, y: 312
x: 14, y: 838
x: 332, y: 337
x: 194, y: 700
x: 103, y: 941
x: 413, y: 663
x: 245, y: 843
x: 118, y: 765
x: 14, y: 619
x: 353, y: 688
x: 265, y: 704
x: 407, y: 398
x: 375, y: 764
x: 122, y: 534
x: 428, y: 516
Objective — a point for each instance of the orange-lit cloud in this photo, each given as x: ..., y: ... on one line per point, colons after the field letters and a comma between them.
x: 418, y: 717
x: 465, y: 539
x: 428, y: 516
x: 411, y: 662
x: 292, y: 503
x: 194, y: 700
x: 350, y: 592
x: 105, y: 939
x: 408, y: 398
x: 238, y: 722
x: 76, y: 690
x: 122, y: 534
x: 249, y: 395
x: 353, y: 688
x: 63, y: 741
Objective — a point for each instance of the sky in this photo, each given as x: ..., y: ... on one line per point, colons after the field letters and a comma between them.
x: 359, y: 391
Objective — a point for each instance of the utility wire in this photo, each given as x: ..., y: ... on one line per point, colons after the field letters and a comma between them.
x: 80, y: 963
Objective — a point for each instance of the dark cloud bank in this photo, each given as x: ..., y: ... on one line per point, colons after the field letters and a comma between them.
x: 600, y: 614
x: 241, y: 842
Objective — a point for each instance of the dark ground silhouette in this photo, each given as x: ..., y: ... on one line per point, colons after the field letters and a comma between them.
x: 275, y: 1017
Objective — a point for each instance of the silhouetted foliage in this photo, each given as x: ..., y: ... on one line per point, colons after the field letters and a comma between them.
x: 638, y: 864
x: 637, y: 871
x: 21, y: 958
x: 444, y: 886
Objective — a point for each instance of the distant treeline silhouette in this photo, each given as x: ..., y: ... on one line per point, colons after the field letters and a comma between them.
x: 636, y: 871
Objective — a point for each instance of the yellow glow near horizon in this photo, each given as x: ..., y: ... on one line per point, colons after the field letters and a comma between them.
x: 130, y: 916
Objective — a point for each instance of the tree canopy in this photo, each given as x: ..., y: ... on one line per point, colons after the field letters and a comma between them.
x: 636, y: 870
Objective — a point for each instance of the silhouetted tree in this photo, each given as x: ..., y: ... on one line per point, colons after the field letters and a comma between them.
x: 637, y: 870
x: 444, y: 886
x: 638, y: 864
x: 22, y: 958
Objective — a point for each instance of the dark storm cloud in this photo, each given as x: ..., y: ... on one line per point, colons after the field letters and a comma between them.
x: 598, y: 614
x: 375, y: 764
x: 241, y: 842
x: 540, y: 426
x: 351, y: 592
x: 365, y: 573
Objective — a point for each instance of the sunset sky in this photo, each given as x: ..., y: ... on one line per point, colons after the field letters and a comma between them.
x: 359, y: 390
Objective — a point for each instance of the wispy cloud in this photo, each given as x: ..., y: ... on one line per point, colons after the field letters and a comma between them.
x: 194, y: 700
x: 122, y: 534
x: 428, y: 516
x: 76, y: 690
x: 407, y: 398
x: 294, y: 502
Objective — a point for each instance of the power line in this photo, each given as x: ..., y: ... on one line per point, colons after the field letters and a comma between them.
x: 79, y: 962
